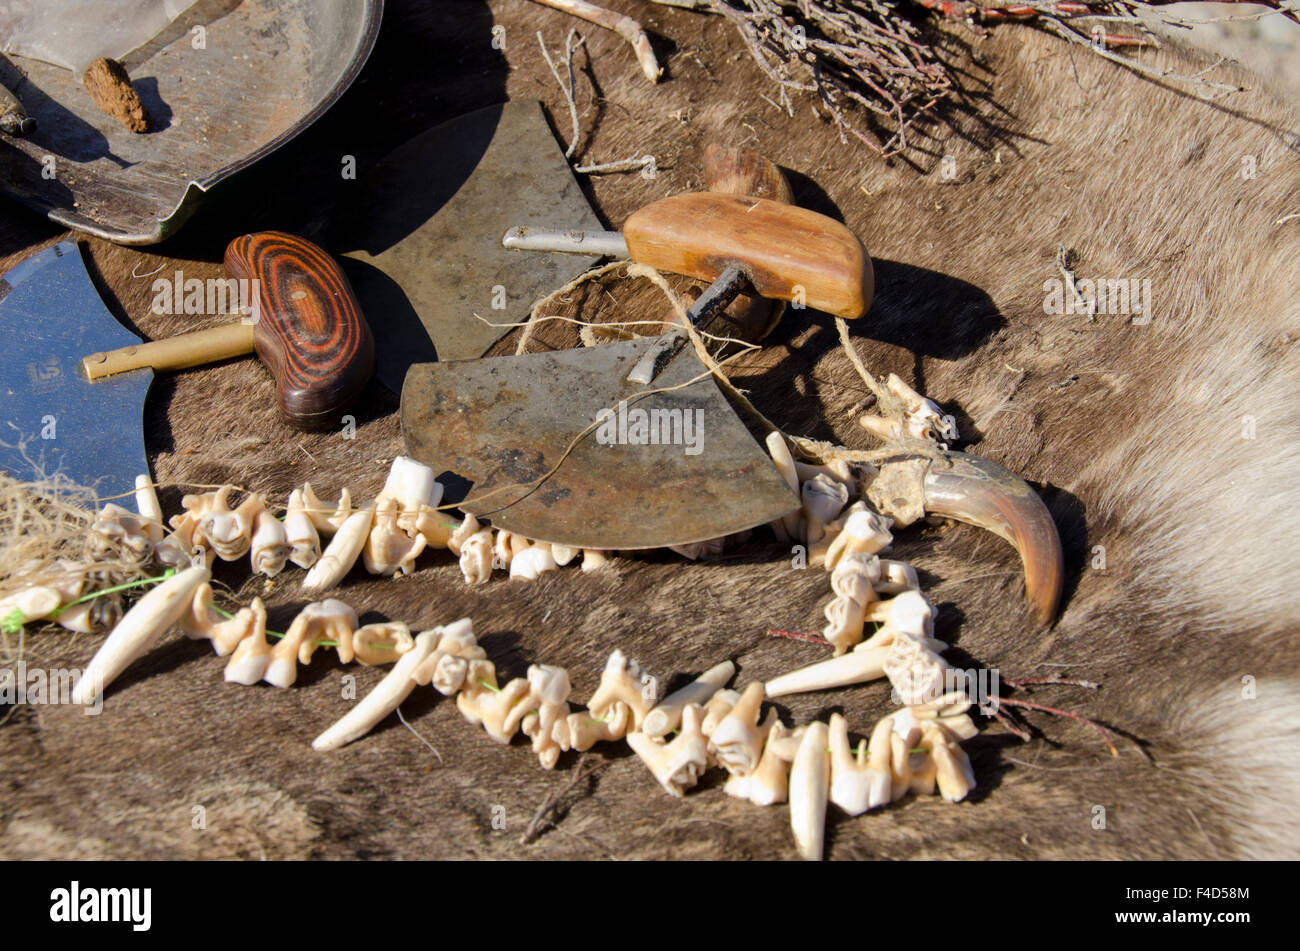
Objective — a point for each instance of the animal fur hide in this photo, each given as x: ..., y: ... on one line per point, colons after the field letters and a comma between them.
x: 1166, y: 450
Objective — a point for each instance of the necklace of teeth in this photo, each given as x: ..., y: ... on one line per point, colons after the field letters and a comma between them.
x: 679, y: 737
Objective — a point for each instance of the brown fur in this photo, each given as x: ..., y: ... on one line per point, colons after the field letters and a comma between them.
x: 1133, y: 432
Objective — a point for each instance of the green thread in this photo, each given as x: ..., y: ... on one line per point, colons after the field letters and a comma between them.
x: 227, y: 615
x: 165, y: 576
x: 489, y: 686
x: 13, y: 622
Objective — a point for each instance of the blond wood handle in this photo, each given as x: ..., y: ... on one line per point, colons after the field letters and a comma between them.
x: 787, y: 252
x: 174, y: 353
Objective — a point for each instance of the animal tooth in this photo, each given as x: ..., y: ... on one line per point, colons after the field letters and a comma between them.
x: 505, y: 549
x: 476, y: 557
x: 770, y: 782
x: 908, y: 613
x: 623, y: 681
x: 855, y: 576
x: 182, y: 548
x: 581, y: 731
x: 448, y: 666
x: 247, y: 665
x: 90, y: 617
x: 434, y: 526
x: 593, y: 560
x: 902, y: 741
x: 201, y: 620
x: 823, y: 498
x: 328, y: 620
x: 717, y: 708
x: 679, y: 764
x: 529, y: 564
x: 228, y: 532
x: 844, y: 621
x: 738, y: 739
x: 563, y: 554
x: 270, y: 546
x: 301, y: 533
x: 341, y: 554
x: 382, y: 643
x: 34, y: 602
x: 953, y: 771
x: 282, y: 666
x: 466, y: 530
x: 498, y: 710
x: 389, y: 549
x: 548, y: 693
x: 837, y: 469
x: 862, y: 782
x: 146, y: 503
x: 117, y: 534
x: 449, y: 674
x: 412, y: 486
x: 386, y: 697
x: 925, y: 774
x: 667, y: 714
x: 857, y: 667
x: 817, y: 550
x: 896, y: 577
x: 922, y: 418
x: 411, y: 483
x: 787, y: 526
x: 916, y: 673
x: 864, y: 532
x: 150, y: 618
x: 809, y: 788
x: 326, y: 516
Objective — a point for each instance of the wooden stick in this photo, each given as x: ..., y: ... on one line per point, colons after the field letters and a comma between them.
x: 581, y: 770
x: 624, y: 26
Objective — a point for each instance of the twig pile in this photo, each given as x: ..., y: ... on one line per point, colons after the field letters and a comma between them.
x: 869, y: 59
x: 860, y: 52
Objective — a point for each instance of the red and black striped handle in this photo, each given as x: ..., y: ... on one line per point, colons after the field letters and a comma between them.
x: 310, y: 331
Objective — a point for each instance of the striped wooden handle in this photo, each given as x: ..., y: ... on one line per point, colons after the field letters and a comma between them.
x: 310, y: 332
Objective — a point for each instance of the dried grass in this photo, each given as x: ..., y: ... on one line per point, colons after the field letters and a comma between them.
x: 44, y: 527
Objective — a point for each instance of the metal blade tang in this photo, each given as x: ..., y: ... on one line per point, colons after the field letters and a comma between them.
x: 610, y: 244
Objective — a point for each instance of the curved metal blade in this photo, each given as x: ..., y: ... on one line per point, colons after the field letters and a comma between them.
x: 422, y: 235
x: 505, y: 422
x: 56, y: 423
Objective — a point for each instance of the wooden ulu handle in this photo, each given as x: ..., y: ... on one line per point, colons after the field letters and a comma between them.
x: 735, y: 171
x: 174, y: 353
x: 310, y: 332
x: 744, y: 172
x: 781, y: 248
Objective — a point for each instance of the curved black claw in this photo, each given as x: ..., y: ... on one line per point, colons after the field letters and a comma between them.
x: 975, y: 490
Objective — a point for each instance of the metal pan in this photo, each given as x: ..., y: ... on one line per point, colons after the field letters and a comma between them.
x: 266, y: 70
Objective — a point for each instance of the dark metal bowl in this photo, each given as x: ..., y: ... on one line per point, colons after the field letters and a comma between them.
x: 267, y: 70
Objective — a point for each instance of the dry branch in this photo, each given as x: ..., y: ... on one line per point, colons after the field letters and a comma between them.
x: 868, y: 64
x: 624, y: 26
